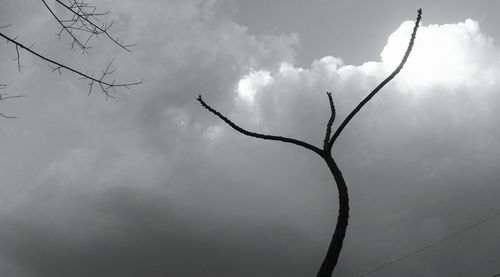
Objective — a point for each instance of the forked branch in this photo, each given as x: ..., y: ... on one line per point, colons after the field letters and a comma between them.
x: 4, y: 96
x: 257, y: 135
x: 106, y: 86
x: 82, y: 15
x: 381, y: 85
x: 333, y: 252
x: 82, y: 22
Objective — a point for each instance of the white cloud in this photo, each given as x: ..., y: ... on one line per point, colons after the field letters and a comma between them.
x: 450, y: 55
x: 251, y: 83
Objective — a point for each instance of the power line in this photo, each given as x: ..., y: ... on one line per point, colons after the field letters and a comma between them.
x: 431, y: 245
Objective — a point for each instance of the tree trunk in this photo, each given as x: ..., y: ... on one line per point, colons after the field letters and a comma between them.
x: 332, y: 255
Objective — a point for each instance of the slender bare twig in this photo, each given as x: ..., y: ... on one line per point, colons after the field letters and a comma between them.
x: 8, y: 116
x: 107, y: 87
x: 381, y: 85
x: 76, y: 41
x: 4, y: 96
x: 85, y: 24
x: 18, y: 58
x: 83, y: 20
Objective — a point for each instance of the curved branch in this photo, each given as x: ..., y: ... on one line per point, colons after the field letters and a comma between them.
x: 381, y: 85
x: 75, y: 39
x: 4, y: 96
x: 83, y: 16
x: 330, y: 122
x: 257, y: 135
x: 107, y: 87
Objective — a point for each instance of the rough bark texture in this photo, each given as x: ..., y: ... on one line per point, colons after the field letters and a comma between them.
x: 332, y: 255
x: 333, y: 252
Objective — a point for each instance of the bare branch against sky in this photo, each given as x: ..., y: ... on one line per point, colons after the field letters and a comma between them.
x: 332, y: 255
x: 81, y: 26
x: 151, y: 184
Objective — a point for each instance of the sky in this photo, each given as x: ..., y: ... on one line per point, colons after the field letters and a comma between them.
x: 152, y: 184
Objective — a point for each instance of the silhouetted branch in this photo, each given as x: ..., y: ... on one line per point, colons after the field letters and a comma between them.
x: 381, y: 85
x: 107, y: 87
x: 257, y: 135
x: 4, y: 96
x: 7, y: 116
x: 18, y: 58
x: 330, y: 261
x: 330, y: 122
x: 81, y: 21
x: 76, y: 41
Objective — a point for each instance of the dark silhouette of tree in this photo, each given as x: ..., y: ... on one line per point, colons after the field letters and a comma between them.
x: 333, y: 252
x: 81, y: 22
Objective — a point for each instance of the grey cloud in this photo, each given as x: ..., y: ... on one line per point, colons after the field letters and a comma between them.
x: 151, y: 184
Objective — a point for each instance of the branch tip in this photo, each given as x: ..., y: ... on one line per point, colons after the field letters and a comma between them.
x: 382, y: 84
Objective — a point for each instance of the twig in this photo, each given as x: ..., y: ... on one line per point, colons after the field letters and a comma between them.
x: 4, y: 96
x: 106, y: 86
x: 94, y: 30
x: 76, y: 41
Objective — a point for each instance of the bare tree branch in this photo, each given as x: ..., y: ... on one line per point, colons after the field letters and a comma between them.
x: 85, y: 24
x: 381, y: 85
x: 4, y: 96
x: 76, y: 41
x: 257, y: 135
x: 330, y: 261
x: 8, y: 116
x: 81, y: 21
x: 18, y: 58
x: 330, y: 122
x: 107, y: 87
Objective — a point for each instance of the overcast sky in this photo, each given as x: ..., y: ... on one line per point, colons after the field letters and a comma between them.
x: 151, y: 184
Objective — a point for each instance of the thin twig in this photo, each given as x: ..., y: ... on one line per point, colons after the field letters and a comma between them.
x: 8, y: 116
x: 84, y: 17
x: 18, y: 58
x: 4, y: 96
x: 106, y: 86
x: 84, y: 48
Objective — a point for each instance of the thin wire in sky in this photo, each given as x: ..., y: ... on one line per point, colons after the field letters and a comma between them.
x: 431, y: 245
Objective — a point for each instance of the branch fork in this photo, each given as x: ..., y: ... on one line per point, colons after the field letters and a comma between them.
x: 333, y: 252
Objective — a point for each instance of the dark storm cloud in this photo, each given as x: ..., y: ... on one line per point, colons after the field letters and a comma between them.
x: 151, y: 184
x: 133, y: 232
